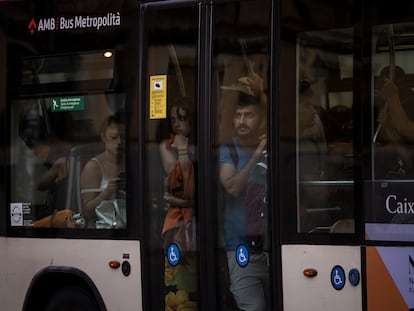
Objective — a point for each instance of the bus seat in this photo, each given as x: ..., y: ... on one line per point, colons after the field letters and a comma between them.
x: 346, y: 225
x: 78, y: 158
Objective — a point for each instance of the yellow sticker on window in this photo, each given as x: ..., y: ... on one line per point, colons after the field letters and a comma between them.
x: 158, y: 97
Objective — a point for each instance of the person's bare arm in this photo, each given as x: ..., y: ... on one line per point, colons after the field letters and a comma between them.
x: 233, y: 181
x: 180, y: 145
x: 91, y: 179
x: 397, y: 117
x: 402, y: 150
x: 49, y: 178
x: 168, y: 159
x: 177, y: 202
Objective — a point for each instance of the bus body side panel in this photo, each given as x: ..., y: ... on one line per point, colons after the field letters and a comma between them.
x: 3, y: 270
x: 390, y: 278
x: 24, y: 258
x: 317, y: 293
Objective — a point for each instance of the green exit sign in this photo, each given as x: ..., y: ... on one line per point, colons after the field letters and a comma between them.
x: 70, y: 103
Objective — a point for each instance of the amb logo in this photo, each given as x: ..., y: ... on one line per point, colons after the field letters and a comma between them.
x: 75, y: 22
x: 32, y: 26
x: 42, y: 25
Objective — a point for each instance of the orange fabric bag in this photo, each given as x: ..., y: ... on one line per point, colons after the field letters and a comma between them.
x: 59, y: 219
x: 178, y: 224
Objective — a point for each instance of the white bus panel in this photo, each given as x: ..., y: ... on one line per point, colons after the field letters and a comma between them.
x: 26, y: 258
x: 318, y: 293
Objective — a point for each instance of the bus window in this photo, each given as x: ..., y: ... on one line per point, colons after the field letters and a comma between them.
x: 389, y: 209
x: 325, y: 132
x: 67, y: 162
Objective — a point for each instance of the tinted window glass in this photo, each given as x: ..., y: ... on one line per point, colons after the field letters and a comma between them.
x: 324, y: 125
x: 389, y: 195
x: 67, y: 162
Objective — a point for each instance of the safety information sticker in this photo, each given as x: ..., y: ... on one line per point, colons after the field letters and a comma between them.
x: 158, y: 97
x: 19, y: 213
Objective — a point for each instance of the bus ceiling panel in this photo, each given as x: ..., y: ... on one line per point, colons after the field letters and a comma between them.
x: 232, y: 45
x: 302, y: 15
x: 81, y: 72
x: 385, y: 11
x: 336, y: 40
x: 44, y: 7
x: 168, y: 4
x: 399, y: 36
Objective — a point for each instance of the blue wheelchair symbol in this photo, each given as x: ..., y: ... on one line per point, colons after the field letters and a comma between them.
x: 338, y: 277
x: 173, y: 254
x: 242, y: 256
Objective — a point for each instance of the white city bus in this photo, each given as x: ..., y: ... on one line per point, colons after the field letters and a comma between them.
x: 90, y: 95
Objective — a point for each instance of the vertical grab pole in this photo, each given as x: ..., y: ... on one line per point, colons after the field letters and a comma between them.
x: 391, y: 45
x: 391, y: 74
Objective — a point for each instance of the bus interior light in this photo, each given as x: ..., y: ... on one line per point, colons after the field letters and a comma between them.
x: 107, y: 54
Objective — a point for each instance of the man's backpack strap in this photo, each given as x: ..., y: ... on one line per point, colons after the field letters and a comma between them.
x: 233, y: 153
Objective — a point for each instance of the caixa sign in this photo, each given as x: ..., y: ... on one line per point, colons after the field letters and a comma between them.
x: 389, y: 201
x: 74, y: 22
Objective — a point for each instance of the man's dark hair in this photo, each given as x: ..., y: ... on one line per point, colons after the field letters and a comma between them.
x: 246, y: 100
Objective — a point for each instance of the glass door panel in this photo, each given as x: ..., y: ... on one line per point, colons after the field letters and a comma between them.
x: 170, y: 157
x: 241, y: 77
x: 239, y: 110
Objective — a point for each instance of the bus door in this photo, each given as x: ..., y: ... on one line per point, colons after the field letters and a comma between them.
x: 206, y: 81
x: 3, y: 79
x: 318, y: 193
x: 3, y: 55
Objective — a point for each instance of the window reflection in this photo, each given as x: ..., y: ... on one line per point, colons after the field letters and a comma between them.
x: 392, y: 134
x: 392, y: 77
x: 52, y: 139
x: 103, y: 178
